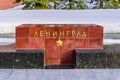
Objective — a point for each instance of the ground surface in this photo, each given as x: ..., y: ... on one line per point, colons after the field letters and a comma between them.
x: 74, y: 74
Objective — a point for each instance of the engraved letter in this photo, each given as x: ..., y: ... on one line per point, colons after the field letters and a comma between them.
x: 78, y: 34
x: 54, y: 33
x: 61, y: 34
x: 35, y: 34
x: 73, y: 33
x: 84, y: 34
x: 68, y: 33
x: 41, y: 33
x: 48, y: 34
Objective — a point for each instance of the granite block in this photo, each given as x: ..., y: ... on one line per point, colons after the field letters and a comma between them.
x: 29, y: 36
x: 22, y: 59
x: 52, y: 62
x: 37, y: 43
x: 96, y: 31
x: 6, y: 60
x: 29, y: 59
x: 50, y: 43
x: 22, y: 43
x: 83, y: 31
x: 35, y: 60
x: 113, y: 60
x: 34, y: 31
x: 59, y: 67
x: 113, y: 56
x: 66, y: 29
x: 22, y: 31
x: 88, y: 59
x: 49, y: 30
x: 66, y: 55
x: 68, y: 43
x: 95, y: 43
x: 81, y: 43
x: 51, y: 54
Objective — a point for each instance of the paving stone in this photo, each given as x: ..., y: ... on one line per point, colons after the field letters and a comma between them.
x: 70, y: 75
x: 36, y: 74
x: 63, y: 74
x: 95, y: 74
x: 5, y: 74
x: 52, y: 75
x: 18, y: 74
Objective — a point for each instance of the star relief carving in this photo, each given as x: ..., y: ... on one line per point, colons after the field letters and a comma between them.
x: 59, y: 43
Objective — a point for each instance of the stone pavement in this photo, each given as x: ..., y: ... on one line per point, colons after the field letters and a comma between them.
x: 59, y: 74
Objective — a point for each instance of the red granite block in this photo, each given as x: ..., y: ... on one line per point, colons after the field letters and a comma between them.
x: 22, y: 31
x: 96, y: 43
x: 52, y: 62
x: 51, y: 54
x: 82, y: 29
x: 66, y: 55
x: 22, y: 43
x: 81, y: 43
x: 50, y: 43
x: 66, y: 62
x: 95, y: 32
x: 51, y: 31
x: 37, y: 31
x: 66, y: 30
x: 68, y: 43
x: 37, y: 42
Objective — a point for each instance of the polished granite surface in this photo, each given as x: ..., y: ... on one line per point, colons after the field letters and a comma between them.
x: 21, y: 60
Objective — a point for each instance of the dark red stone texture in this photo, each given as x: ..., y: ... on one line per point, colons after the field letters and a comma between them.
x: 29, y: 37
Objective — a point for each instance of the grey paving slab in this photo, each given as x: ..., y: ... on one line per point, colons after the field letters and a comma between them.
x: 70, y: 75
x: 60, y: 74
x: 18, y: 74
x: 98, y: 74
x: 35, y: 74
x: 52, y: 74
x: 115, y: 74
x: 13, y: 74
x: 4, y: 74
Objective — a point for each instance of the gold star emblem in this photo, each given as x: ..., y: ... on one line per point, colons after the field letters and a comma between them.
x: 59, y: 43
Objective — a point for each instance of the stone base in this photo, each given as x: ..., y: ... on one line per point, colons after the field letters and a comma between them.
x: 109, y: 58
x: 90, y: 59
x: 22, y: 60
x: 59, y: 67
x: 113, y: 56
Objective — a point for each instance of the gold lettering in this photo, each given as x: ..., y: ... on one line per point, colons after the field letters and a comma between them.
x: 73, y: 33
x: 84, y: 34
x: 68, y: 33
x: 62, y: 34
x: 48, y: 34
x: 35, y: 34
x: 78, y: 34
x: 54, y: 33
x: 41, y: 33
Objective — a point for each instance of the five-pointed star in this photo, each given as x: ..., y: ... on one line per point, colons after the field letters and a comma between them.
x: 59, y: 43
